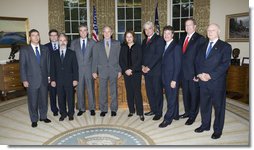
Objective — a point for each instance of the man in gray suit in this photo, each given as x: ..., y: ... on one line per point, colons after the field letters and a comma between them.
x: 34, y: 71
x: 83, y: 48
x: 106, y: 67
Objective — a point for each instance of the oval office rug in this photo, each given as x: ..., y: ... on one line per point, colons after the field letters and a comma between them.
x: 101, y: 135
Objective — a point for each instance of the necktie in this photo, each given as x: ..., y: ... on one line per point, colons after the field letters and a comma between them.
x: 62, y: 56
x: 84, y: 47
x: 209, y: 49
x: 166, y: 46
x: 148, y: 39
x: 107, y: 48
x: 185, y: 44
x: 38, y: 57
x: 54, y: 47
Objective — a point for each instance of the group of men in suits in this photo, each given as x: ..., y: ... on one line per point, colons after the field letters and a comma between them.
x: 199, y: 65
x: 60, y: 69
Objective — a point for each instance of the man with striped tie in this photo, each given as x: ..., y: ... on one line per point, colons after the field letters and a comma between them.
x: 53, y: 46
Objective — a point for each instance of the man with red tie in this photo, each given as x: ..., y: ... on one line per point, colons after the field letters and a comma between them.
x: 190, y: 46
x: 152, y: 50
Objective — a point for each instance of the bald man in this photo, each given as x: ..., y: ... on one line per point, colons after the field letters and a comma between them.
x: 212, y: 64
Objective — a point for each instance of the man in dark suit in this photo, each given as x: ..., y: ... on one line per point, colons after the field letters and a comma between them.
x: 212, y: 64
x: 106, y: 66
x: 83, y: 49
x: 190, y: 46
x: 64, y: 76
x: 152, y: 50
x: 171, y: 65
x: 53, y: 46
x: 34, y: 63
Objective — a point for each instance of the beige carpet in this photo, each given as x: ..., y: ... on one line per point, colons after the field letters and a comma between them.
x: 16, y: 126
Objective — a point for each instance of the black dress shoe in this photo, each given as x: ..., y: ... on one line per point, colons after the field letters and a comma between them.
x: 150, y: 113
x: 176, y: 118
x: 216, y: 135
x: 34, y: 124
x: 80, y: 113
x: 61, y: 118
x: 113, y: 113
x: 164, y: 124
x: 157, y: 117
x: 103, y: 114
x: 46, y: 120
x: 92, y: 112
x: 189, y: 122
x: 71, y: 118
x: 130, y: 115
x: 142, y: 118
x: 184, y: 116
x: 55, y: 114
x: 200, y: 129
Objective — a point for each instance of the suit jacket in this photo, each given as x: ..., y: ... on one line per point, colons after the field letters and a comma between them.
x: 216, y: 65
x: 36, y: 74
x: 64, y: 73
x: 84, y: 61
x: 104, y: 66
x: 171, y: 63
x: 135, y: 58
x: 188, y: 70
x: 152, y: 54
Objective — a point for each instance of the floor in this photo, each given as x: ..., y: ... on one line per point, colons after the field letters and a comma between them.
x: 16, y: 126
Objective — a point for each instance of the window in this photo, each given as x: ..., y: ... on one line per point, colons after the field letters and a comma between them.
x: 75, y: 12
x: 128, y: 18
x: 181, y: 10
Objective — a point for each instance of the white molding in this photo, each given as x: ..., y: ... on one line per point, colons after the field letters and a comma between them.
x: 116, y: 23
x: 88, y: 17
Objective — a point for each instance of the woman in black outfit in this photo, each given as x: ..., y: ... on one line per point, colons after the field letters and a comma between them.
x: 130, y: 62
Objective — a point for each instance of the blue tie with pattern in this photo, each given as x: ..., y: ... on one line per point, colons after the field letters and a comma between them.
x: 55, y: 46
x: 209, y: 49
x: 38, y: 57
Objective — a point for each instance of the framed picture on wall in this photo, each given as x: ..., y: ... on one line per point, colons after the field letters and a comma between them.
x: 13, y: 31
x: 237, y: 27
x: 245, y: 61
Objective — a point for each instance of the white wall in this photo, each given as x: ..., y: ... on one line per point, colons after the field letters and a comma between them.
x: 35, y: 10
x: 218, y: 11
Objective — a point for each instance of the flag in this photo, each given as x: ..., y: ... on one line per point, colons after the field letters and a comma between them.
x: 156, y: 20
x: 95, y: 31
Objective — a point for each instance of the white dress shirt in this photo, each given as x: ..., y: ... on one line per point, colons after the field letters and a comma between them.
x: 81, y: 42
x: 33, y: 46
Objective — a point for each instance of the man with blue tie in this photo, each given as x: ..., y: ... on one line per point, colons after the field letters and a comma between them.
x: 64, y: 76
x: 212, y: 63
x: 53, y: 46
x: 34, y: 65
x: 190, y: 46
x: 83, y: 48
x: 171, y: 65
